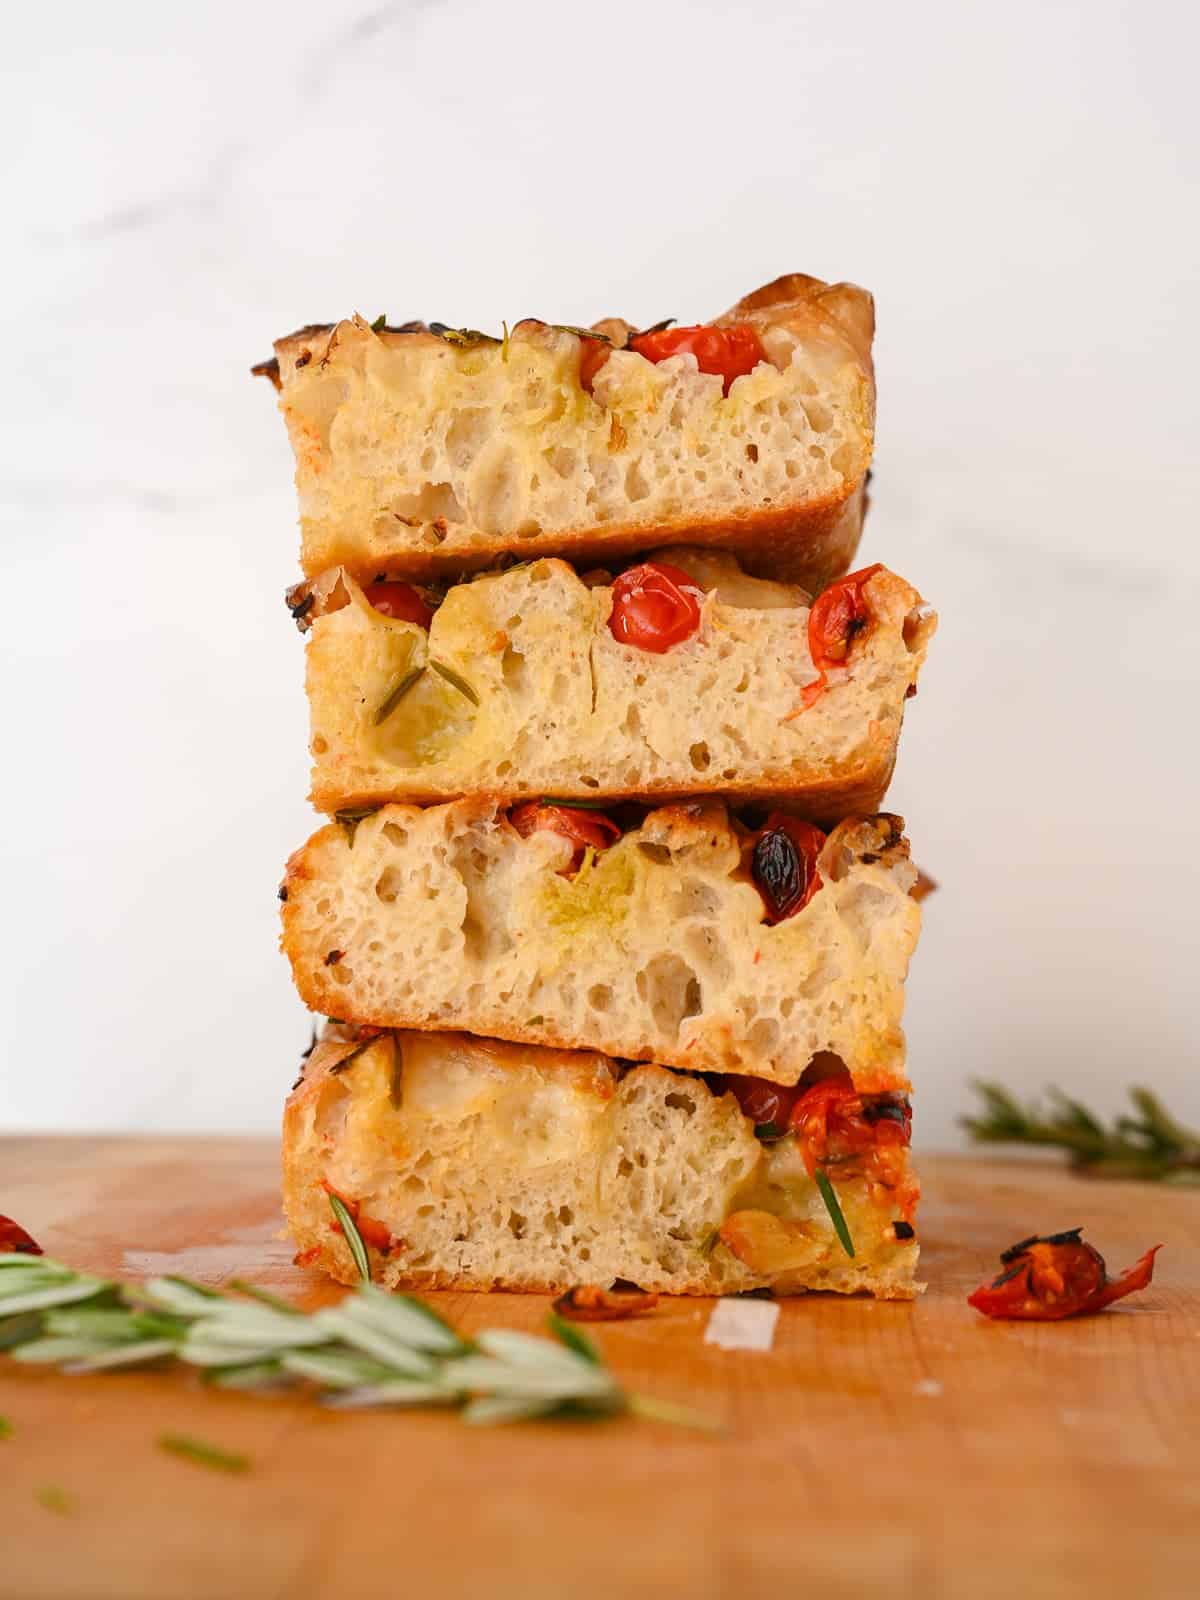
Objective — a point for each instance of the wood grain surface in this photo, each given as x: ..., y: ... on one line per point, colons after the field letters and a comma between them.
x: 875, y: 1450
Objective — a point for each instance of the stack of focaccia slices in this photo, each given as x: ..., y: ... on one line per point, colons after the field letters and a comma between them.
x: 610, y: 929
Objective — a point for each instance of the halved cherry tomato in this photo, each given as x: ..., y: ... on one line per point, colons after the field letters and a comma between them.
x: 838, y: 615
x: 1046, y: 1279
x: 399, y: 600
x: 587, y: 830
x: 654, y: 606
x: 15, y: 1241
x: 728, y: 352
x: 783, y: 863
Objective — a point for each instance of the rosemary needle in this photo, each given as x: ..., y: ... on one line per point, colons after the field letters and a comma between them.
x: 6, y: 1428
x: 207, y: 1455
x: 833, y: 1206
x: 398, y: 693
x: 56, y: 1499
x: 352, y: 1236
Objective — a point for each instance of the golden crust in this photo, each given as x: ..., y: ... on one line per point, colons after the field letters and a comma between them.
x: 810, y: 544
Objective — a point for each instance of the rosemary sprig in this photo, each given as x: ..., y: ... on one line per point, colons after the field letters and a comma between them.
x: 371, y: 1349
x: 206, y: 1455
x: 1150, y: 1145
x: 834, y: 1207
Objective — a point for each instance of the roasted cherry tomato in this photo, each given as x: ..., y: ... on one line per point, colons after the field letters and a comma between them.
x: 587, y: 830
x: 838, y: 615
x: 399, y: 600
x: 768, y: 1105
x: 15, y: 1241
x: 654, y: 606
x: 784, y: 865
x: 832, y: 1121
x: 593, y: 353
x: 728, y: 352
x: 1046, y: 1279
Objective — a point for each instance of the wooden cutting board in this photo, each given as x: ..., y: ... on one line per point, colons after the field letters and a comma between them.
x: 907, y: 1450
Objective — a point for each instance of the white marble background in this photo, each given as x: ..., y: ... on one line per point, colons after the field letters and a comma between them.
x: 1017, y: 184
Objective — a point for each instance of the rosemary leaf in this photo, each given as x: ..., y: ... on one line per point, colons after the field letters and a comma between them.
x: 124, y: 1355
x: 455, y: 681
x: 52, y: 1497
x: 491, y: 1409
x: 247, y: 1375
x: 352, y: 1236
x: 206, y: 1455
x: 6, y: 1428
x: 264, y: 1297
x: 380, y: 323
x: 574, y: 1338
x: 393, y: 700
x: 834, y: 1208
x: 574, y: 805
x: 641, y: 1405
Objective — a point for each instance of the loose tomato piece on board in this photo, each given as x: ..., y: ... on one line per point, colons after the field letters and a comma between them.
x: 1047, y: 1279
x: 783, y: 864
x: 838, y: 615
x: 728, y: 353
x: 400, y: 601
x: 15, y: 1241
x: 654, y: 606
x: 587, y: 830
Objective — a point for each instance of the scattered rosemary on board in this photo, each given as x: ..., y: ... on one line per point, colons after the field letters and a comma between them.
x: 54, y: 1498
x: 205, y: 1455
x: 372, y: 1349
x: 1150, y: 1145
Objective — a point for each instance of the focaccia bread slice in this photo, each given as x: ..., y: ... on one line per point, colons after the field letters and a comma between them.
x: 470, y: 1164
x: 540, y: 698
x: 656, y: 948
x: 424, y: 449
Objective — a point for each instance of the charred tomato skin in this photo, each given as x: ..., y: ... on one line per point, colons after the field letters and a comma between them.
x: 1049, y: 1278
x: 783, y: 864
